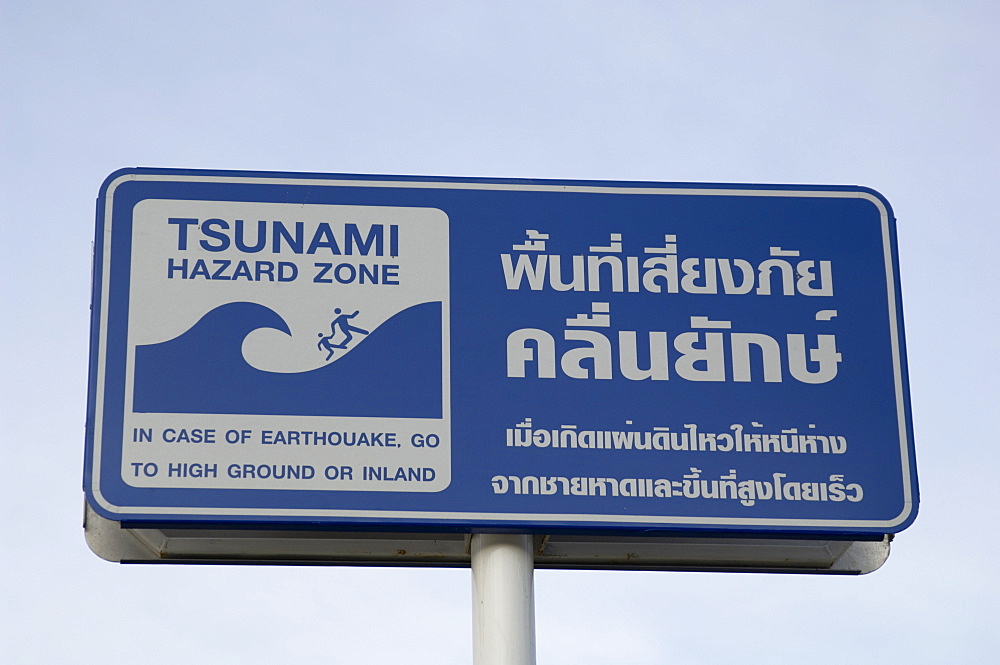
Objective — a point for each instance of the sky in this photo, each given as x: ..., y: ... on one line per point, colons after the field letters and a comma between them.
x: 896, y: 96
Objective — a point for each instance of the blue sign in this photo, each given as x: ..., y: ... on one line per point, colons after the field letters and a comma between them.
x: 457, y: 353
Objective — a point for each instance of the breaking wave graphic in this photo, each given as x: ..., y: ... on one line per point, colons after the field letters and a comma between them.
x: 394, y: 372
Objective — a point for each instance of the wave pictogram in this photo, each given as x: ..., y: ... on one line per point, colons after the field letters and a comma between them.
x: 394, y: 372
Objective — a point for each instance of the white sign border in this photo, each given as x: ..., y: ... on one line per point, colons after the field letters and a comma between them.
x: 463, y: 517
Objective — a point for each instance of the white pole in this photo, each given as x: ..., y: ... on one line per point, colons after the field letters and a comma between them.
x: 503, y: 599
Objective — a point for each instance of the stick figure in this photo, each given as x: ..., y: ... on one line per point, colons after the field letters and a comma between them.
x: 342, y: 322
x: 324, y: 343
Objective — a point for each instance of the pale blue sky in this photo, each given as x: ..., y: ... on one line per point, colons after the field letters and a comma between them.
x: 897, y: 96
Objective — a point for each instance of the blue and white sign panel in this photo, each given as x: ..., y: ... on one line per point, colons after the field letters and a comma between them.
x: 447, y: 353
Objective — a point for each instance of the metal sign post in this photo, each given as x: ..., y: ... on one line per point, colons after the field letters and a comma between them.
x: 503, y: 599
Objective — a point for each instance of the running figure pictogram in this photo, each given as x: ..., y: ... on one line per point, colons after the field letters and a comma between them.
x: 345, y: 327
x: 343, y: 322
x: 324, y: 343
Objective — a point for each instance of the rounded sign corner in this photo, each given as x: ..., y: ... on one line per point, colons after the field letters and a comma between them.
x: 97, y: 503
x: 116, y: 178
x: 877, y: 199
x: 906, y: 518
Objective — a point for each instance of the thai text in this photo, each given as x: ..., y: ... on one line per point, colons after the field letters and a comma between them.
x: 662, y: 269
x: 738, y: 439
x: 710, y: 351
x: 777, y: 487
